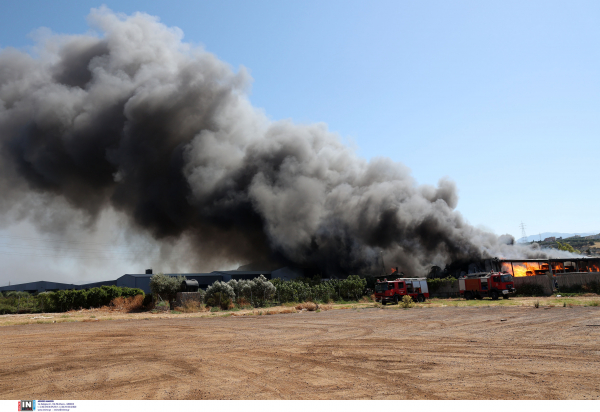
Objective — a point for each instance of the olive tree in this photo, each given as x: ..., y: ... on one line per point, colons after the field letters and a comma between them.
x: 241, y: 288
x: 164, y: 286
x: 261, y: 290
x: 219, y: 294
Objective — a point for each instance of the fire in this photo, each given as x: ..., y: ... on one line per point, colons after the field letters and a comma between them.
x: 521, y: 269
x: 506, y: 268
x: 528, y: 268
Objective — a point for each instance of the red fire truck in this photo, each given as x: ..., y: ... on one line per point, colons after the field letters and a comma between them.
x: 393, y: 290
x: 484, y: 284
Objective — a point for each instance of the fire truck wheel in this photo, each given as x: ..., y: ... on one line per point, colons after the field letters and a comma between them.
x: 467, y: 295
x: 494, y: 295
x: 420, y: 298
x: 396, y: 300
x: 383, y: 302
x: 505, y: 297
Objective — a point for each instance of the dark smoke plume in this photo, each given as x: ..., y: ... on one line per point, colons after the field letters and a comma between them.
x: 162, y: 132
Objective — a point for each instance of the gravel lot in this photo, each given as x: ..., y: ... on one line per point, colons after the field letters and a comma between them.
x: 429, y: 353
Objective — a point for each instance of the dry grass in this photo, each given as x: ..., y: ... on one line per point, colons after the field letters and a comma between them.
x: 367, y: 299
x: 131, y: 304
x: 192, y: 306
x: 311, y: 306
x: 243, y: 302
x: 111, y: 313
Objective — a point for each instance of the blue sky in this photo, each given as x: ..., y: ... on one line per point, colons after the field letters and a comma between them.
x: 503, y: 97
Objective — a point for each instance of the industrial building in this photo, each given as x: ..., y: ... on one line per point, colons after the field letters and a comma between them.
x: 142, y: 281
x: 519, y: 267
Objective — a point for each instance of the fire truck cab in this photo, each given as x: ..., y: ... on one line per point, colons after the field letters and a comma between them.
x: 393, y: 290
x: 480, y: 285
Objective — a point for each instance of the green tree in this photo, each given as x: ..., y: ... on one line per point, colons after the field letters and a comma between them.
x: 262, y: 290
x: 219, y: 294
x: 567, y: 247
x: 165, y: 287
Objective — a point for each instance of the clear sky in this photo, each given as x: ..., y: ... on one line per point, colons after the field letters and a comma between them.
x: 503, y: 97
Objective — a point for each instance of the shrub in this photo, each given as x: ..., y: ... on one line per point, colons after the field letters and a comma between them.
x: 7, y: 309
x: 536, y: 304
x: 590, y: 287
x: 166, y: 286
x: 593, y: 287
x: 242, y: 302
x: 261, y: 290
x: 292, y: 291
x: 191, y: 306
x: 407, y: 301
x: 530, y: 290
x: 241, y: 288
x: 310, y: 306
x: 130, y: 304
x: 223, y: 301
x: 97, y: 297
x: 147, y: 301
x: 45, y: 301
x: 64, y: 300
x: 219, y: 299
x: 352, y: 287
x: 219, y: 294
x: 435, y: 284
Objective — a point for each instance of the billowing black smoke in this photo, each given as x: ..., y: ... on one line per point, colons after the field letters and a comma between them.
x: 162, y: 132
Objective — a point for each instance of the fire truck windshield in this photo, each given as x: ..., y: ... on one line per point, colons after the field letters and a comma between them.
x: 506, y: 278
x: 381, y: 287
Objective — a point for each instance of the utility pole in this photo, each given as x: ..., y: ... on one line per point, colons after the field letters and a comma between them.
x: 523, y: 234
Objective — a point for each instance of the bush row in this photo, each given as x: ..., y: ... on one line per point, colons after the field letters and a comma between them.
x: 351, y: 288
x: 435, y: 284
x: 260, y: 291
x: 591, y: 287
x: 256, y: 292
x: 64, y: 300
x: 530, y: 290
x: 18, y: 302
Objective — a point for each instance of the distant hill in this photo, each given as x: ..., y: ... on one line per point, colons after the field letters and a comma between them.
x: 553, y: 234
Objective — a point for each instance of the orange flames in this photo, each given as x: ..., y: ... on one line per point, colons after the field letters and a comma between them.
x: 521, y: 269
x: 528, y: 269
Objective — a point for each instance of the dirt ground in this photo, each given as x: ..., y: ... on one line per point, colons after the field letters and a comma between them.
x: 370, y: 353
